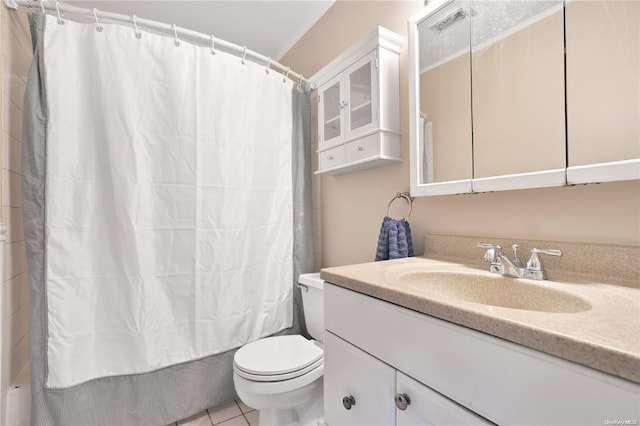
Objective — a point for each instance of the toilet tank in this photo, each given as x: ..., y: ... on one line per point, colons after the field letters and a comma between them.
x: 312, y: 288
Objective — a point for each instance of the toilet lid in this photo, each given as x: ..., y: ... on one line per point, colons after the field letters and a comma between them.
x: 277, y: 355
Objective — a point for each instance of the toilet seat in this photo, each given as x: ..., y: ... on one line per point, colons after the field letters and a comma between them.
x: 277, y: 358
x: 275, y: 388
x: 279, y: 377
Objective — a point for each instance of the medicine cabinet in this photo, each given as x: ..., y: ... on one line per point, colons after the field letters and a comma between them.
x: 527, y: 94
x: 359, y: 105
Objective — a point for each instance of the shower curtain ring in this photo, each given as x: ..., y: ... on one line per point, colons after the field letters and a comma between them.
x: 268, y: 65
x: 244, y: 54
x: 284, y: 79
x: 60, y: 21
x: 95, y: 15
x: 42, y: 6
x: 300, y: 81
x: 175, y: 36
x: 213, y: 45
x: 135, y: 27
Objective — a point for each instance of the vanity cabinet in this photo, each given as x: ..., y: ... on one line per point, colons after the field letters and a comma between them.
x: 451, y: 374
x: 367, y: 382
x: 362, y: 390
x: 428, y: 407
x: 359, y: 106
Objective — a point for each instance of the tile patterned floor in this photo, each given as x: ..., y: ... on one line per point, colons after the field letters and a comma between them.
x: 234, y: 413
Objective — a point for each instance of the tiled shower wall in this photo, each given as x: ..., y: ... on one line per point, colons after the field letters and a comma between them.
x: 16, y: 59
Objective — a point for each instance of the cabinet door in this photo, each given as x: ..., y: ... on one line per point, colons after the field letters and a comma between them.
x: 362, y: 96
x: 428, y: 407
x: 351, y: 372
x: 517, y: 92
x: 441, y: 85
x: 330, y: 114
x: 603, y: 90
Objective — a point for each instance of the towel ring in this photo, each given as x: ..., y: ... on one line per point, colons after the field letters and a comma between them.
x: 407, y: 197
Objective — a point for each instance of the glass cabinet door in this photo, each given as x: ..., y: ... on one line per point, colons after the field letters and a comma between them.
x: 360, y: 113
x: 330, y: 110
x: 361, y: 102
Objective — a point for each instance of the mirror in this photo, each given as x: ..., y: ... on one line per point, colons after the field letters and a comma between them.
x: 552, y: 96
x: 445, y: 93
x: 440, y: 99
x: 603, y: 119
x: 488, y: 80
x: 517, y: 54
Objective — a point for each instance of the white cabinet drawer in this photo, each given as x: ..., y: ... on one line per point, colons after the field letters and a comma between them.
x: 428, y: 407
x: 331, y: 158
x: 363, y: 148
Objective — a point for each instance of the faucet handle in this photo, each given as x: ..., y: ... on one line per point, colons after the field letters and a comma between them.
x: 489, y: 246
x: 552, y: 252
x: 490, y: 255
x: 534, y: 263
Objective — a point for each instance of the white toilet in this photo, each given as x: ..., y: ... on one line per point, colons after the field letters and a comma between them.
x: 281, y: 376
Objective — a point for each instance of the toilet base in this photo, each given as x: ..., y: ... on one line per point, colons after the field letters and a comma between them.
x: 309, y: 414
x: 302, y: 407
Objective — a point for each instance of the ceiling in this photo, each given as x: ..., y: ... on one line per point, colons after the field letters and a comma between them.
x: 268, y: 27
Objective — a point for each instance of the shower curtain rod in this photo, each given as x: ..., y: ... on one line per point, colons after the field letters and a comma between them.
x: 172, y: 29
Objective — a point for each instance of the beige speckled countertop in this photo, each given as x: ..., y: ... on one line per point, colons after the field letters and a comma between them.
x: 605, y: 336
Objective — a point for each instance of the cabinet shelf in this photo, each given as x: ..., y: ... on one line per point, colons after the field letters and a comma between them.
x: 361, y: 88
x: 332, y: 120
x: 360, y: 107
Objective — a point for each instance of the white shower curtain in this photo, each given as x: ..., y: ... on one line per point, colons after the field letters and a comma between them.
x: 168, y: 227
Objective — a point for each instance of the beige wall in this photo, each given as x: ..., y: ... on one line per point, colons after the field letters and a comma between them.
x: 16, y: 58
x: 352, y: 205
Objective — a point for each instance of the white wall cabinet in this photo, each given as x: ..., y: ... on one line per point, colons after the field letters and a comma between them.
x: 359, y: 105
x: 453, y: 375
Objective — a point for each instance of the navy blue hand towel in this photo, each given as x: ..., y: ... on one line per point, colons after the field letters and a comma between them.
x: 394, y: 241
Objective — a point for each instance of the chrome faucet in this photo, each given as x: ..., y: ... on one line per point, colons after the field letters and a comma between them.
x: 535, y: 270
x: 501, y: 264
